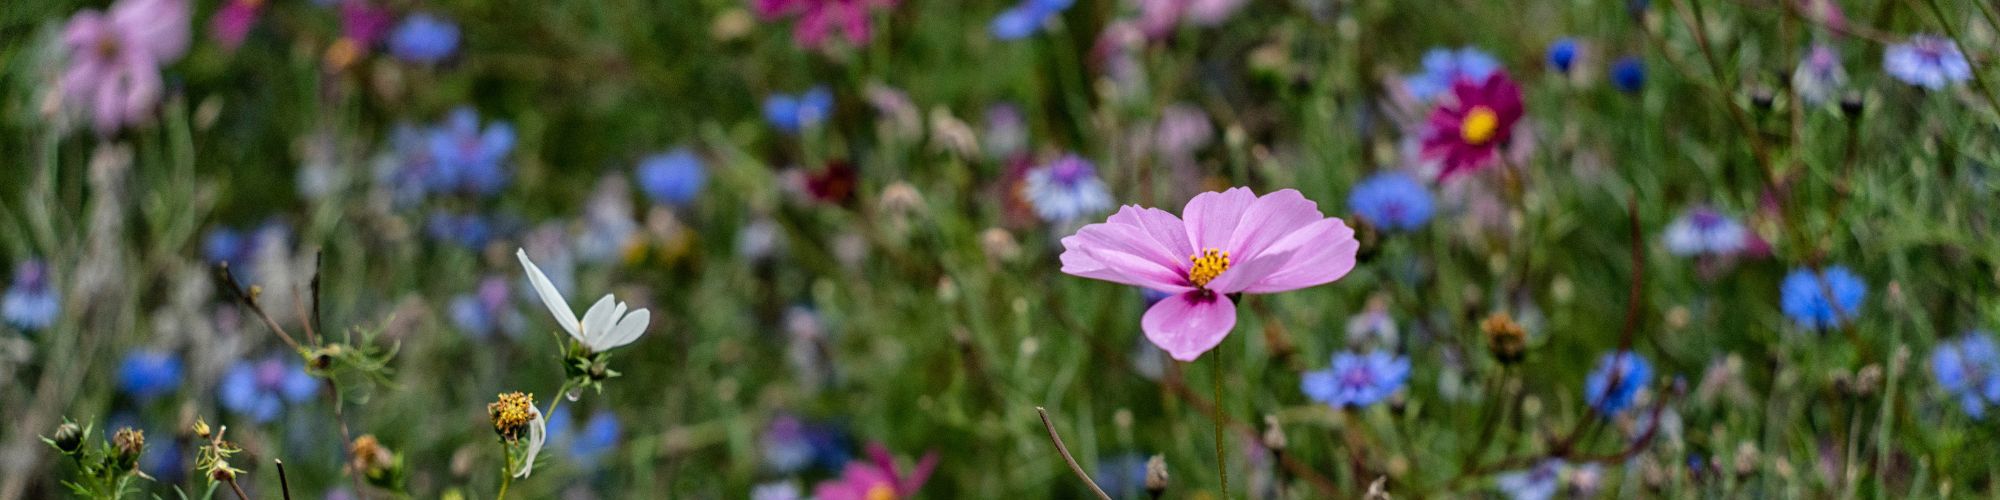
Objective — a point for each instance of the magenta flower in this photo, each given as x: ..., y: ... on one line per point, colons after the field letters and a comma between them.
x: 876, y: 478
x: 1468, y: 133
x: 233, y: 21
x: 1231, y: 242
x: 818, y: 19
x: 115, y: 58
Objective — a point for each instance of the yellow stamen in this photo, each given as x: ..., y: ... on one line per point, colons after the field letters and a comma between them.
x: 882, y: 492
x: 1479, y: 126
x: 1207, y: 265
x: 511, y: 414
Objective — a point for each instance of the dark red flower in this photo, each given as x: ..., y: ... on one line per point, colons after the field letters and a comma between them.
x: 1468, y: 132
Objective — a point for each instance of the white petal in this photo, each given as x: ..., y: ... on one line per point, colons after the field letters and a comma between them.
x: 628, y: 329
x: 538, y: 434
x: 598, y: 321
x: 558, y: 306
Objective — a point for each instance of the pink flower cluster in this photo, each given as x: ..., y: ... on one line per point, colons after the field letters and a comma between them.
x: 820, y: 19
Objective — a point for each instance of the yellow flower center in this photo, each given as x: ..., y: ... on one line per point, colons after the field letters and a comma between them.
x: 511, y: 414
x: 881, y: 492
x: 1480, y: 125
x: 1207, y: 265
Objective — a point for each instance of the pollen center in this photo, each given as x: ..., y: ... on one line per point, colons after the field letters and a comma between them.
x: 1207, y: 265
x: 1479, y: 125
x: 511, y: 414
x: 881, y: 492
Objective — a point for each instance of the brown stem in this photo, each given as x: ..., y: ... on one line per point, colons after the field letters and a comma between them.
x: 1064, y: 450
x: 229, y: 283
x: 238, y: 489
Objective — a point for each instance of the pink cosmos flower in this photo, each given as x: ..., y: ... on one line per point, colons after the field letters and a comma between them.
x: 233, y: 21
x: 876, y: 478
x: 1231, y: 242
x: 819, y: 18
x: 1468, y: 133
x: 115, y: 58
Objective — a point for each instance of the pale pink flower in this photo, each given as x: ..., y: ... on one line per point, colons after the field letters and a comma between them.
x: 115, y: 58
x: 1231, y: 242
x: 819, y: 19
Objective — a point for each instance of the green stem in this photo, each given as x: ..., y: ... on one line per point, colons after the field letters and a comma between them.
x: 1221, y: 457
x: 506, y: 470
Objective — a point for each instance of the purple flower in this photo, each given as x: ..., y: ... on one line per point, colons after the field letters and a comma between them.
x: 31, y: 301
x: 260, y: 390
x: 487, y: 310
x: 115, y: 59
x: 233, y: 21
x: 1536, y: 483
x: 1702, y: 231
x: 1819, y: 75
x: 1968, y: 368
x: 1066, y: 190
x: 1231, y: 242
x: 1357, y: 379
x: 820, y: 20
x: 1006, y: 131
x: 1026, y: 19
x: 424, y: 39
x: 1927, y: 61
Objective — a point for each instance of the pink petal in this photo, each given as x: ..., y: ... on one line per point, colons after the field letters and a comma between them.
x: 1270, y: 218
x: 84, y: 30
x: 105, y: 107
x: 1320, y: 253
x: 1249, y: 272
x: 1212, y: 217
x: 1122, y: 253
x: 1190, y: 323
x: 144, y: 93
x: 1165, y: 228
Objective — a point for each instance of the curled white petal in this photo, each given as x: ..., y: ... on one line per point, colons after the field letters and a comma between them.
x: 558, y: 306
x: 538, y: 434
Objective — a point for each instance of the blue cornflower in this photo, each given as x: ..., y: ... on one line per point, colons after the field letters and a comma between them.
x: 1927, y: 61
x: 1122, y: 475
x: 1823, y: 299
x: 1445, y: 67
x: 587, y: 445
x: 470, y: 231
x: 795, y: 113
x: 1534, y: 483
x: 467, y: 159
x: 672, y: 178
x: 1704, y: 231
x: 1392, y: 201
x: 32, y: 301
x: 1066, y: 190
x: 146, y: 374
x: 485, y: 311
x: 424, y: 39
x: 1969, y: 369
x: 790, y: 445
x: 1628, y: 74
x: 260, y: 389
x: 1562, y: 54
x: 1357, y: 379
x: 1627, y: 370
x: 1026, y: 19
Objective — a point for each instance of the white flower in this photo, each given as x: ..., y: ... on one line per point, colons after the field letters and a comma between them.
x: 604, y: 327
x: 538, y: 433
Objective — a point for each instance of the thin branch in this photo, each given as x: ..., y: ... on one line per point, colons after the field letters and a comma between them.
x: 238, y: 489
x: 250, y: 300
x: 284, y: 485
x: 1064, y: 450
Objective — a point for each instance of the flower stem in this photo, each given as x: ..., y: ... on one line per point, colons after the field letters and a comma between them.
x: 506, y: 470
x: 1221, y: 420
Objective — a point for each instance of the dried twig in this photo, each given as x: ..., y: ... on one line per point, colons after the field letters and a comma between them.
x: 1064, y: 450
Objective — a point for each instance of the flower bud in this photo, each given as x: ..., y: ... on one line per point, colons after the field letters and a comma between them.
x: 1504, y: 338
x: 68, y: 437
x: 127, y: 444
x: 1156, y: 476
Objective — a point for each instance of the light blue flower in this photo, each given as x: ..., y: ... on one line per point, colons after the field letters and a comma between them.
x: 1562, y: 54
x: 1392, y: 201
x: 1122, y: 475
x: 31, y: 301
x: 1026, y: 19
x: 1444, y: 67
x: 585, y: 446
x: 1066, y: 190
x: 1617, y: 379
x: 672, y: 178
x: 795, y: 113
x: 1823, y: 299
x: 1535, y: 483
x: 145, y: 374
x: 1357, y: 380
x: 487, y: 311
x: 467, y: 159
x: 1704, y: 231
x: 1968, y: 368
x: 1927, y: 61
x: 424, y: 39
x: 260, y: 390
